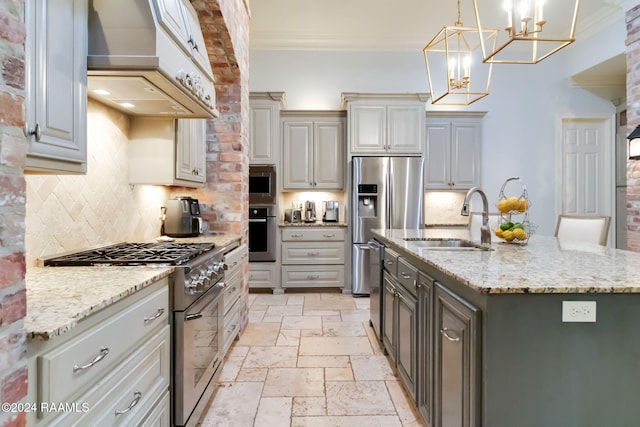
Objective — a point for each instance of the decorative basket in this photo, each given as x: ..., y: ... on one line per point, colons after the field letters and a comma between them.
x: 514, y: 225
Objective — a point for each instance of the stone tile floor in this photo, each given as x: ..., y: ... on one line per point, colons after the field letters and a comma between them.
x: 308, y: 359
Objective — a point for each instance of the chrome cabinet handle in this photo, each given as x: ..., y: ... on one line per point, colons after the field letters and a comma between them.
x: 405, y: 275
x: 313, y: 253
x: 136, y: 398
x: 103, y: 353
x: 159, y: 313
x: 297, y: 235
x: 329, y: 235
x: 37, y: 132
x: 389, y: 262
x: 453, y: 337
x: 313, y: 276
x: 192, y: 316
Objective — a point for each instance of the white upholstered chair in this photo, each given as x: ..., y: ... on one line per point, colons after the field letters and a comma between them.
x: 583, y: 228
x: 475, y: 221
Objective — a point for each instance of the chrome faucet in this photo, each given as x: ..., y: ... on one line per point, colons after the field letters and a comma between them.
x: 485, y: 233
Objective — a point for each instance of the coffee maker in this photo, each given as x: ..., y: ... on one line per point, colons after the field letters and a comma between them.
x: 181, y: 217
x: 331, y: 211
x: 310, y: 211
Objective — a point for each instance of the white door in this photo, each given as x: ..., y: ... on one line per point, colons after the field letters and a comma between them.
x: 587, y: 167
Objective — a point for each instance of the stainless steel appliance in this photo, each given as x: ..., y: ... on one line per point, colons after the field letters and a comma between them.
x: 181, y: 218
x: 310, y: 211
x: 262, y: 234
x: 376, y: 255
x: 197, y: 305
x: 262, y: 185
x: 292, y: 215
x: 331, y: 211
x: 387, y: 192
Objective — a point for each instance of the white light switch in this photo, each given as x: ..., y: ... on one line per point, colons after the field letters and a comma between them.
x: 578, y: 311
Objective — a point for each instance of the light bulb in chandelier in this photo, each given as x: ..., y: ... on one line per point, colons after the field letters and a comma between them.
x: 526, y: 14
x: 459, y: 72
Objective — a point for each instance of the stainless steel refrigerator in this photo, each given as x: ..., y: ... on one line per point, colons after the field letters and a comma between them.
x: 387, y: 192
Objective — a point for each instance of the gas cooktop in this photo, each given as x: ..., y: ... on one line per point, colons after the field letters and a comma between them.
x: 169, y: 253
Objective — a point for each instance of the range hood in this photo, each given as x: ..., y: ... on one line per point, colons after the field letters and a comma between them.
x: 148, y: 58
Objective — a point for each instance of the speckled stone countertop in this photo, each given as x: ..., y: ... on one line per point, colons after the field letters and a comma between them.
x: 59, y: 297
x: 312, y: 224
x: 543, y: 265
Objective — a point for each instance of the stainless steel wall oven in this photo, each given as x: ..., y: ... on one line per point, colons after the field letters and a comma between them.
x: 262, y: 234
x: 262, y: 185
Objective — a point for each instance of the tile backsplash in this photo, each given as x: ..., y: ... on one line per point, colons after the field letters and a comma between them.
x: 71, y: 212
x: 443, y: 208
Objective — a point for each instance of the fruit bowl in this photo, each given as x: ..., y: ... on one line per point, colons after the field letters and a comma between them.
x: 513, y: 231
x: 514, y: 225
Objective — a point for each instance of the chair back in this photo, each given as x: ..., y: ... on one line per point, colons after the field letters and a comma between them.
x: 583, y: 228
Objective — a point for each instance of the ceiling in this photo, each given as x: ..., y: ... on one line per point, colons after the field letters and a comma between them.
x: 369, y: 25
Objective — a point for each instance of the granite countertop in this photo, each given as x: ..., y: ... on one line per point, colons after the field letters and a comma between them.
x: 59, y: 297
x: 543, y: 265
x: 312, y: 224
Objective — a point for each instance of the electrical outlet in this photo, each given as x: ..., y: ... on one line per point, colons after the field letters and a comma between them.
x: 578, y: 311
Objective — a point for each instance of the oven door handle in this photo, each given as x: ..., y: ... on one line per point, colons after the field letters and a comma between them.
x: 193, y: 316
x: 258, y: 220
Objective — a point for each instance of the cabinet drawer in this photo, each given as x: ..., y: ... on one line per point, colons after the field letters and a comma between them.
x: 312, y: 276
x: 231, y: 325
x: 234, y: 258
x: 232, y: 290
x: 391, y: 262
x: 66, y: 370
x: 146, y: 372
x: 314, y: 234
x: 312, y: 253
x: 407, y: 275
x: 262, y: 274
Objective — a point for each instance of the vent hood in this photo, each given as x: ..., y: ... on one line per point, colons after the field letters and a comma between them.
x: 148, y: 58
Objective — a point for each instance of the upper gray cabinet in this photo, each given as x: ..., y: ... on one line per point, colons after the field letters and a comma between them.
x: 56, y: 86
x: 452, y: 151
x: 264, y: 136
x: 385, y: 123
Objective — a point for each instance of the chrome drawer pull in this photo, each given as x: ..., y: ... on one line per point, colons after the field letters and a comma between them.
x: 405, y: 275
x: 313, y: 253
x: 313, y: 276
x: 103, y: 353
x: 390, y: 262
x: 159, y: 313
x: 452, y: 337
x: 297, y: 235
x: 192, y: 316
x: 136, y: 398
x: 329, y: 235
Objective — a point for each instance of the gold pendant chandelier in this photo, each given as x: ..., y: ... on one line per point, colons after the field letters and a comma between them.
x: 528, y: 36
x: 455, y: 71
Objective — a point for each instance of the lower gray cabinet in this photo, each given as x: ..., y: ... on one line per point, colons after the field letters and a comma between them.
x: 456, y: 361
x: 424, y: 396
x: 399, y: 335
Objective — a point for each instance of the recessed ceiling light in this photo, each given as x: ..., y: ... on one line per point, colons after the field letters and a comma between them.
x: 102, y: 92
x: 127, y: 105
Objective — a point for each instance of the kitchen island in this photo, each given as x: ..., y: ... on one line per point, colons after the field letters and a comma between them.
x: 491, y: 345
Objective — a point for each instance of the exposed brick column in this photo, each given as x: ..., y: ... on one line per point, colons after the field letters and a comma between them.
x: 13, y: 369
x: 633, y: 120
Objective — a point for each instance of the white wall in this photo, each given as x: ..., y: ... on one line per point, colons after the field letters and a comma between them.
x: 519, y: 130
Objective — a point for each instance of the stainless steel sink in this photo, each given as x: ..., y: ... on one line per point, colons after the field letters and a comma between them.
x: 447, y: 244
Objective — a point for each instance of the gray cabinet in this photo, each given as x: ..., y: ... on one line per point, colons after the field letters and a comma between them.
x: 456, y: 361
x: 388, y: 303
x: 424, y: 396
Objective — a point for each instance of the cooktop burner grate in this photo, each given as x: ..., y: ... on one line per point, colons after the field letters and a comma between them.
x: 133, y: 254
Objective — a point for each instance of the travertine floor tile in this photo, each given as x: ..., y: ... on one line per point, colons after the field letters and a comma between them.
x: 284, y: 310
x: 301, y: 322
x: 338, y: 374
x: 334, y: 346
x: 288, y: 337
x: 261, y: 334
x: 323, y: 361
x: 405, y: 411
x: 268, y: 299
x: 294, y: 382
x: 274, y: 411
x: 225, y: 407
x: 349, y: 421
x: 355, y: 315
x: 343, y: 329
x: 296, y: 300
x: 305, y: 406
x: 329, y: 304
x: 252, y: 374
x: 371, y: 368
x: 358, y: 398
x: 271, y: 357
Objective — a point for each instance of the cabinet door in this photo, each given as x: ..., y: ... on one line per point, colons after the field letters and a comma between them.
x: 191, y: 150
x: 388, y: 315
x: 406, y: 339
x: 465, y: 155
x: 405, y: 127
x: 328, y: 166
x: 367, y: 129
x: 298, y: 151
x: 425, y: 347
x: 56, y: 85
x: 196, y: 40
x: 170, y: 14
x: 263, y: 139
x: 457, y: 358
x: 438, y: 155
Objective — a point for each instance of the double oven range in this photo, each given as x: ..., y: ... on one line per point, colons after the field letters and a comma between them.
x: 196, y: 292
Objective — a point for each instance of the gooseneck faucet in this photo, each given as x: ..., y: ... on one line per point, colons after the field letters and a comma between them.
x: 485, y: 233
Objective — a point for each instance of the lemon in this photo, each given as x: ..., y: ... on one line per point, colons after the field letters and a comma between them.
x: 513, y: 203
x: 508, y: 235
x: 519, y: 234
x: 503, y: 206
x: 523, y: 205
x: 499, y: 232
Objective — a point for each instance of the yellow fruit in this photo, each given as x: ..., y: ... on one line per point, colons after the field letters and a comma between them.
x: 503, y: 206
x: 519, y: 234
x: 513, y: 203
x: 508, y: 235
x: 523, y: 205
x: 499, y: 232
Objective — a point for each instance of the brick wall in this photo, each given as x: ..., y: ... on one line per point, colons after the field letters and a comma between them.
x: 13, y: 370
x: 633, y: 120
